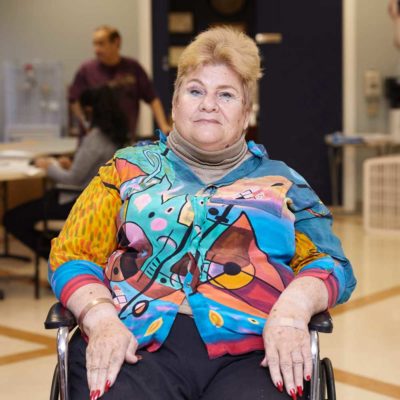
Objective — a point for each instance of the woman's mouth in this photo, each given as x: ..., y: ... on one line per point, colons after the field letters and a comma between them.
x: 207, y: 121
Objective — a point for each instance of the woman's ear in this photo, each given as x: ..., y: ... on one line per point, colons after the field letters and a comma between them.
x: 246, y: 119
x: 173, y: 112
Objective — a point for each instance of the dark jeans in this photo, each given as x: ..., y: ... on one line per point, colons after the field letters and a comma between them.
x: 179, y: 370
x: 20, y: 221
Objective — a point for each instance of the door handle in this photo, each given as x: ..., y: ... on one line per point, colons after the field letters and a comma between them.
x: 269, y: 38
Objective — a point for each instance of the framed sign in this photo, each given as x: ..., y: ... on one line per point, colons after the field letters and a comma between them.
x: 228, y: 7
x: 174, y: 52
x: 180, y: 22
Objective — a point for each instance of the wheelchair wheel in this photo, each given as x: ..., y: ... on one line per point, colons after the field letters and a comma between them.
x: 327, y: 380
x: 322, y: 379
x: 55, y: 385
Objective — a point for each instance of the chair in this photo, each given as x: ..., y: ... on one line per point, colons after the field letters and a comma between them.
x: 48, y: 229
x: 322, y: 379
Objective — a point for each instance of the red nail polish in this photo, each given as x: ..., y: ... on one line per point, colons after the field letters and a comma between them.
x: 300, y: 391
x: 97, y: 395
x: 92, y: 394
x: 293, y: 394
x: 279, y: 385
x: 308, y: 378
x: 107, y: 387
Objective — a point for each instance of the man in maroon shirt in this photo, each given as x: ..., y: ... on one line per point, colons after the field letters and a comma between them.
x: 125, y: 74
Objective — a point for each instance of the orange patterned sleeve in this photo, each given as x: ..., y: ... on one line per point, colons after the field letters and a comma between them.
x: 90, y: 230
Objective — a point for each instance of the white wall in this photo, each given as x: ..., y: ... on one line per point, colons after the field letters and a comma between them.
x: 61, y: 30
x: 368, y: 44
x: 374, y: 50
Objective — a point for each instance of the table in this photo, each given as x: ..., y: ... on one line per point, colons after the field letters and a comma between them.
x: 37, y: 148
x: 14, y: 165
x: 338, y: 144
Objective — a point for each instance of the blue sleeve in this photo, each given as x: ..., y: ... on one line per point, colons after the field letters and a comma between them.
x: 68, y: 277
x: 313, y: 227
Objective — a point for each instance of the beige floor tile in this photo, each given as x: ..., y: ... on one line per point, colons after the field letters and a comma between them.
x: 27, y: 380
x: 347, y: 392
x: 20, y: 310
x: 10, y: 346
x: 365, y: 341
x: 375, y: 257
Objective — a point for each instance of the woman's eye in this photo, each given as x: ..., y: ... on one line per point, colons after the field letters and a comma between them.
x: 195, y: 92
x: 226, y: 95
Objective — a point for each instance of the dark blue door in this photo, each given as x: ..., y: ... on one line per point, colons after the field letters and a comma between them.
x: 301, y: 91
x: 300, y: 94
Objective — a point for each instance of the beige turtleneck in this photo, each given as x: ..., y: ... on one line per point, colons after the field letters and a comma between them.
x: 209, y: 166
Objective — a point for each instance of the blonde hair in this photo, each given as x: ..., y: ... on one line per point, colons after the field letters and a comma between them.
x: 222, y: 45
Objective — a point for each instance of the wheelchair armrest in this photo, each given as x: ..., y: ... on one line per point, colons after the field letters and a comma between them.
x: 58, y: 317
x: 321, y: 322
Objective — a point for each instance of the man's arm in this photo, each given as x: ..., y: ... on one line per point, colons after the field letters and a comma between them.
x: 79, y: 114
x: 79, y: 85
x: 159, y: 115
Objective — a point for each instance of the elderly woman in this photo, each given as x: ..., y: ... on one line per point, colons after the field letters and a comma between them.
x: 193, y: 262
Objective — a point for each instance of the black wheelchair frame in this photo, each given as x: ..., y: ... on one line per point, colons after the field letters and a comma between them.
x: 322, y: 381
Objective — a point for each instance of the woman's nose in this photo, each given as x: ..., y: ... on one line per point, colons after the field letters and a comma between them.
x: 209, y: 103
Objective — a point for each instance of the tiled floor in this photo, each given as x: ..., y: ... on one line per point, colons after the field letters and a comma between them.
x: 364, y: 347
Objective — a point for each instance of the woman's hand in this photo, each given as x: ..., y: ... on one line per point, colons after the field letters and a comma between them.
x: 288, y: 354
x: 110, y: 344
x: 286, y: 338
x: 65, y: 162
x: 42, y: 162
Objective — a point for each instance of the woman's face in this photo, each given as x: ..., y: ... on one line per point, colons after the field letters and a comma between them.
x: 209, y: 111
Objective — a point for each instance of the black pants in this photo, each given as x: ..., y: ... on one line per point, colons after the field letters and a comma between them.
x: 20, y: 221
x: 179, y: 370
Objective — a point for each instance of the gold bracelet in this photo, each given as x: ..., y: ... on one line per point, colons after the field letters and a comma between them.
x: 89, y: 306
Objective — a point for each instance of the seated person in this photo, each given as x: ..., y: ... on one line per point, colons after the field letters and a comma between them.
x: 193, y: 262
x: 108, y: 132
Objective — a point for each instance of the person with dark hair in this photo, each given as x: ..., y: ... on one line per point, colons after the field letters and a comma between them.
x: 125, y: 74
x: 108, y: 132
x: 105, y: 114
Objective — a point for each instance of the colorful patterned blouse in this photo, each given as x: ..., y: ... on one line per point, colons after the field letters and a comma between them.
x: 150, y: 230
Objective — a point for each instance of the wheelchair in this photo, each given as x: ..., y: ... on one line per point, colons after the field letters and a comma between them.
x: 320, y: 387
